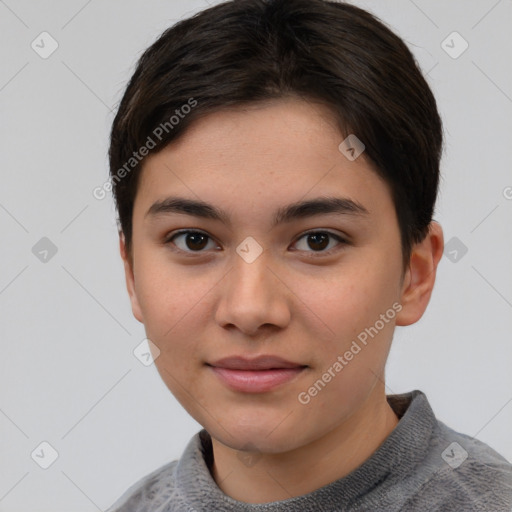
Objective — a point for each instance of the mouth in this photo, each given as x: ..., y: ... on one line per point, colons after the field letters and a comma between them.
x: 258, y: 375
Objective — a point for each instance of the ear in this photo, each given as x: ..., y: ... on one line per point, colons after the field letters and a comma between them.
x: 130, y: 279
x: 420, y: 277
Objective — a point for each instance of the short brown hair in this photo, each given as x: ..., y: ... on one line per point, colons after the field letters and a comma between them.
x: 245, y: 51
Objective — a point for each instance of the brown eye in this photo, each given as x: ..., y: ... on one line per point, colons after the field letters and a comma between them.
x: 196, y: 241
x: 190, y: 241
x: 319, y: 241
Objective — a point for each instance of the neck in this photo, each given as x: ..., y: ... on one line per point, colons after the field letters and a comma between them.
x: 276, y: 477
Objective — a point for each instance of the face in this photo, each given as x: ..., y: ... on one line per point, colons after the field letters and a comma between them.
x: 249, y: 276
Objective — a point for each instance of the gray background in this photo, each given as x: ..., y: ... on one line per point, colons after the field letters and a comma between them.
x: 68, y: 375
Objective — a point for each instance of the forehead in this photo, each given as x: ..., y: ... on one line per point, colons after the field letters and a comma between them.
x: 265, y: 155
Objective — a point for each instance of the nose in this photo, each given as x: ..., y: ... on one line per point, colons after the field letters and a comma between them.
x: 253, y: 298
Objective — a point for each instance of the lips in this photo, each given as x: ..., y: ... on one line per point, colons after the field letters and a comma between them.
x: 258, y: 363
x: 258, y: 375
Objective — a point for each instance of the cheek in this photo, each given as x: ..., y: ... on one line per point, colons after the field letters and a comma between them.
x: 352, y: 360
x: 165, y: 291
x: 360, y: 307
x: 175, y: 308
x: 355, y: 299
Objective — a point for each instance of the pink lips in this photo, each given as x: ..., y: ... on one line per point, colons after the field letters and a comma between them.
x: 256, y: 375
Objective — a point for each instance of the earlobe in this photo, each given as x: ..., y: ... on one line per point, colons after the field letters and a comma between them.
x: 421, y: 275
x: 130, y: 278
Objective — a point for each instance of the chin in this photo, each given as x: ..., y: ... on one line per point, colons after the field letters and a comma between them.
x: 262, y: 437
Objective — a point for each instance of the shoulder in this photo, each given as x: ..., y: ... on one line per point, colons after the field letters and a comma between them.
x: 463, y: 473
x: 156, y: 488
x: 170, y: 486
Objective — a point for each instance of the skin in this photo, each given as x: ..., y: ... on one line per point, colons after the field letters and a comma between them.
x: 306, y: 309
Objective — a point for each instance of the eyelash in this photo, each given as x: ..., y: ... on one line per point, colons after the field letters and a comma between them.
x: 314, y: 254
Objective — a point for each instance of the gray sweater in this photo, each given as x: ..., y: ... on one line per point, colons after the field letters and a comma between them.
x: 423, y: 465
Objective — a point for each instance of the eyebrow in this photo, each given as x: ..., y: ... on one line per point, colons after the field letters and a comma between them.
x: 298, y: 210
